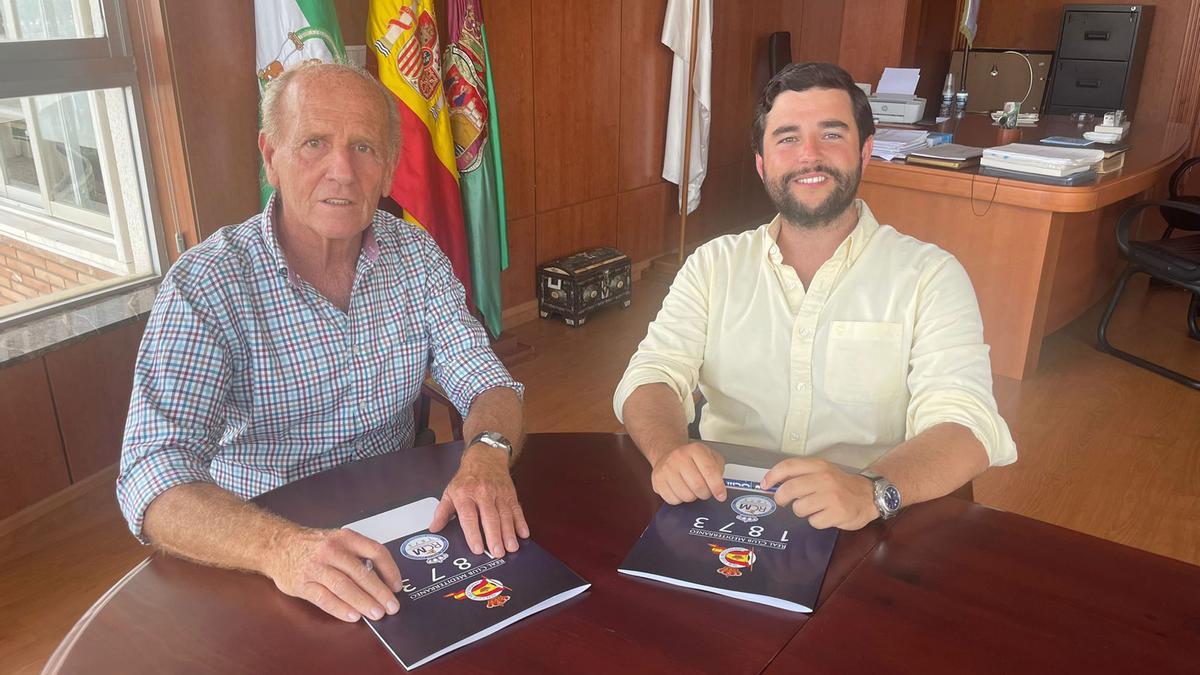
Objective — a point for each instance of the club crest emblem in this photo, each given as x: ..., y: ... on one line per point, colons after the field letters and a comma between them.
x: 733, y: 559
x: 432, y: 548
x: 752, y: 507
x: 486, y: 590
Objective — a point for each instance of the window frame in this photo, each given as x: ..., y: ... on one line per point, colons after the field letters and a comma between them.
x: 91, y: 64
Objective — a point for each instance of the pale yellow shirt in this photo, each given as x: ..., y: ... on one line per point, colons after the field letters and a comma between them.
x: 886, y: 342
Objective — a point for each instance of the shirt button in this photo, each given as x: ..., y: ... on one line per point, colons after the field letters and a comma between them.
x: 795, y: 437
x: 804, y: 332
x: 800, y: 387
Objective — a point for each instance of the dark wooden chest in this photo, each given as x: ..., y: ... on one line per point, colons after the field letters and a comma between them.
x: 577, y: 285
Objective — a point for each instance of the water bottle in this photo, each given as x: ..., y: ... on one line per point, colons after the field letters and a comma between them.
x: 947, y: 96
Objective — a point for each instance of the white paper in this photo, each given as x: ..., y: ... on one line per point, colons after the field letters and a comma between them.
x: 399, y: 522
x: 899, y: 81
x: 743, y: 472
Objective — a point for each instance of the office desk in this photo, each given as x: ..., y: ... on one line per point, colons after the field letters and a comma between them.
x: 587, y: 497
x: 1038, y: 255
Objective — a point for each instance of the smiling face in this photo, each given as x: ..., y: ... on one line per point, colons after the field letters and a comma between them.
x: 811, y: 161
x: 329, y: 159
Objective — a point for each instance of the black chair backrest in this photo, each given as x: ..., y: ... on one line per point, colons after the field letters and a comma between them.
x: 1176, y: 218
x: 779, y: 51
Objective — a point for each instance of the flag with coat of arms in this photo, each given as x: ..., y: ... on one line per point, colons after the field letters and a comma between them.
x: 289, y: 32
x: 475, y: 128
x: 403, y: 35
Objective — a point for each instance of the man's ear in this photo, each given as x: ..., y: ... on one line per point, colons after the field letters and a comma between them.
x: 758, y: 164
x: 267, y: 150
x: 867, y: 148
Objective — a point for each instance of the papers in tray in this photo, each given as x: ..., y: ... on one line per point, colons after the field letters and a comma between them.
x: 1041, y: 159
x: 452, y: 597
x: 897, y: 143
x: 745, y: 547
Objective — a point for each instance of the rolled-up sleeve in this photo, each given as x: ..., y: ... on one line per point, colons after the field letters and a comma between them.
x: 175, y: 412
x: 950, y: 375
x: 673, y: 349
x: 462, y: 360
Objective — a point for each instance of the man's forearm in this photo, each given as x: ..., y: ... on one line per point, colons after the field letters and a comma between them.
x: 933, y: 463
x: 211, y: 525
x: 499, y: 410
x: 655, y: 421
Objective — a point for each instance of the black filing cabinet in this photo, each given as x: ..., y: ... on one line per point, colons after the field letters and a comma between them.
x: 1098, y: 64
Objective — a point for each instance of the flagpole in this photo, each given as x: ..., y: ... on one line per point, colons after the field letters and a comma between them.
x: 686, y: 173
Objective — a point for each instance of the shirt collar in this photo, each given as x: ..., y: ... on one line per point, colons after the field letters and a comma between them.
x: 855, y: 242
x: 369, y: 251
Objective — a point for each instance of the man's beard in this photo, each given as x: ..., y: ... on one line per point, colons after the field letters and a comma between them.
x: 824, y: 213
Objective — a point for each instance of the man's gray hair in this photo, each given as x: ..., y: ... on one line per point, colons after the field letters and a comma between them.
x: 273, y: 108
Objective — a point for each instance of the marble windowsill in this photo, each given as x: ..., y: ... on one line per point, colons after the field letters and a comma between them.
x: 37, y: 336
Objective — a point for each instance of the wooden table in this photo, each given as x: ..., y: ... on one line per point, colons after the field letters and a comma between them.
x: 951, y: 586
x: 1038, y: 255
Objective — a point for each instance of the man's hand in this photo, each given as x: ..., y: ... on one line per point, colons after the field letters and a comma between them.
x: 823, y: 493
x: 482, y: 492
x: 340, y: 571
x: 689, y: 472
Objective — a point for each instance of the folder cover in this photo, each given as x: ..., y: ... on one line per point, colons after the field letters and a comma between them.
x: 745, y: 547
x: 451, y: 596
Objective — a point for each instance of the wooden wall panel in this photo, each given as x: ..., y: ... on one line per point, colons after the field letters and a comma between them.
x: 352, y: 18
x: 510, y: 41
x: 648, y: 221
x: 820, y: 31
x: 720, y: 205
x: 732, y: 70
x: 518, y: 281
x: 935, y: 30
x: 645, y: 92
x: 576, y: 52
x: 1019, y: 24
x: 873, y: 37
x: 576, y: 228
x: 91, y: 381
x: 212, y: 54
x: 757, y: 207
x: 30, y: 449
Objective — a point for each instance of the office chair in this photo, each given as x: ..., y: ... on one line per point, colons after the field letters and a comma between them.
x: 430, y: 392
x: 1174, y: 261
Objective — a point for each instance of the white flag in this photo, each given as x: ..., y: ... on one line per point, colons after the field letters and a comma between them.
x: 969, y: 25
x: 288, y: 32
x: 677, y: 35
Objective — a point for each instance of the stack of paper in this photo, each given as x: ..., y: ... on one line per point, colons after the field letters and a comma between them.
x: 1041, y: 160
x: 1108, y: 134
x: 897, y: 143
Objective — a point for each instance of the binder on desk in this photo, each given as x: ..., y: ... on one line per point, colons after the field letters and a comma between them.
x: 947, y: 156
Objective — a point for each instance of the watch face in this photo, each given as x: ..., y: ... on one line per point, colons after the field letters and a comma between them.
x: 891, y: 498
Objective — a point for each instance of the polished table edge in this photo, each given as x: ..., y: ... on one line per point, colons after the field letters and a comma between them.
x: 63, y: 650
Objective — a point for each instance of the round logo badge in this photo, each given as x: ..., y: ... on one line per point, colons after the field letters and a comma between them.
x: 752, y: 507
x: 737, y: 557
x: 428, y: 547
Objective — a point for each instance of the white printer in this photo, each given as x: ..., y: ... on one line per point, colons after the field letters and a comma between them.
x: 897, y: 108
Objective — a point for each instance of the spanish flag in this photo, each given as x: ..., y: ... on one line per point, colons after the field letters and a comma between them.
x: 404, y: 38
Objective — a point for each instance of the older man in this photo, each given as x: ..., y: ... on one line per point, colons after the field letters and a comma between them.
x: 822, y: 334
x: 299, y: 340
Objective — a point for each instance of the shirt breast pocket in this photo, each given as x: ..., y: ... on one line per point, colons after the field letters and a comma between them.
x: 864, y: 362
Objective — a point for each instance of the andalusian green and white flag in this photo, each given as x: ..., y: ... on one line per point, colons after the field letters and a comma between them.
x: 475, y: 126
x: 288, y: 32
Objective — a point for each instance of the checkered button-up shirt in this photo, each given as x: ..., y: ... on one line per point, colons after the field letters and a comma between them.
x: 249, y: 378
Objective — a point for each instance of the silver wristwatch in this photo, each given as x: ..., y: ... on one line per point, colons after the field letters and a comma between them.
x: 887, y: 496
x: 493, y: 439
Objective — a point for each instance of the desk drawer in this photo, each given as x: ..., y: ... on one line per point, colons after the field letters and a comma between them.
x: 1079, y: 85
x: 1106, y: 36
